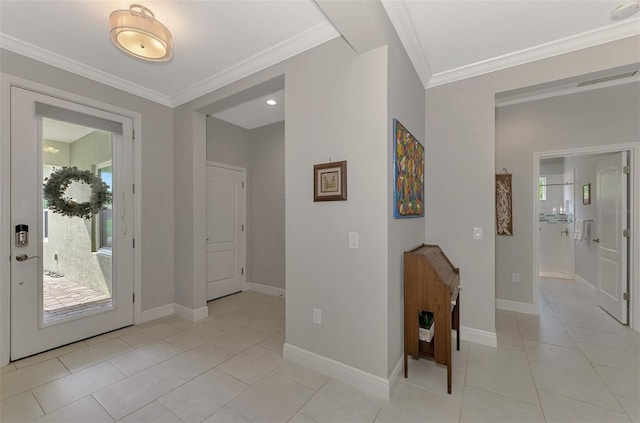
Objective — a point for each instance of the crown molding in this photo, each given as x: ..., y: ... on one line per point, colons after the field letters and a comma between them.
x: 31, y: 51
x: 580, y: 41
x: 312, y: 37
x: 286, y: 49
x: 403, y: 25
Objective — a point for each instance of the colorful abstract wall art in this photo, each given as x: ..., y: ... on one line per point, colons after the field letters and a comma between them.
x: 408, y: 163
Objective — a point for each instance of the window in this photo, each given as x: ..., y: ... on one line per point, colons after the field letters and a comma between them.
x: 104, y: 226
x: 542, y: 188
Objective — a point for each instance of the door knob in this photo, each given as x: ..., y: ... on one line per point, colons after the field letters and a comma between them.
x: 565, y: 232
x: 24, y: 257
x: 597, y: 240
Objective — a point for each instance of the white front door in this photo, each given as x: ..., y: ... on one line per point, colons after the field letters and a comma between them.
x: 225, y: 230
x: 612, y: 221
x: 71, y: 276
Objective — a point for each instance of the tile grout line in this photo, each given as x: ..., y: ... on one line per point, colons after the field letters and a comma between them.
x: 596, y: 374
x: 535, y: 384
x: 310, y: 398
x: 44, y: 413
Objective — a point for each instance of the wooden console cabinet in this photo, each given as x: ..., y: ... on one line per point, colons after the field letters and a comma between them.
x: 431, y: 283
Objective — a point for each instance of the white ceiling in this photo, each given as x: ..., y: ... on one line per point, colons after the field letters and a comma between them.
x: 219, y: 41
x: 215, y: 42
x: 255, y: 113
x: 55, y: 130
x: 450, y: 40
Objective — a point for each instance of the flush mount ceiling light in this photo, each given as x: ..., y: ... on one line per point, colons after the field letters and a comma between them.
x: 625, y: 10
x: 138, y: 33
x: 271, y: 102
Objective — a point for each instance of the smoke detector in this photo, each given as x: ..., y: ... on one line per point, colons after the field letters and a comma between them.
x: 625, y: 10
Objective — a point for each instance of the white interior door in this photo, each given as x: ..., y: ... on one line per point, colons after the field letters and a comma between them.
x: 71, y: 277
x: 612, y: 221
x: 225, y: 231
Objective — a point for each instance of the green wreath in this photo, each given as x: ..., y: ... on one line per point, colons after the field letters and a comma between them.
x: 57, y: 183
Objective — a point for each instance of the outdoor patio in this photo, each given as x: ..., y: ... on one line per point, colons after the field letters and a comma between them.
x: 64, y: 298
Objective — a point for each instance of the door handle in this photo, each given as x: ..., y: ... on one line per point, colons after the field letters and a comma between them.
x: 565, y: 232
x: 24, y: 257
x: 597, y: 240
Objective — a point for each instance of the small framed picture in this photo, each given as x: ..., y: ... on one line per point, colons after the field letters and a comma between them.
x: 330, y: 181
x: 586, y: 194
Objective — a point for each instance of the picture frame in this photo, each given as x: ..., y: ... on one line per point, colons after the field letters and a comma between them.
x: 330, y: 181
x: 586, y: 194
x: 408, y: 174
x: 504, y: 204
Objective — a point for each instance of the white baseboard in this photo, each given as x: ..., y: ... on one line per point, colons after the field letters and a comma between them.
x: 516, y: 306
x: 372, y: 384
x: 170, y: 310
x: 394, y: 378
x: 155, y: 313
x: 556, y: 275
x: 190, y: 314
x: 266, y: 289
x: 478, y: 336
x: 586, y: 282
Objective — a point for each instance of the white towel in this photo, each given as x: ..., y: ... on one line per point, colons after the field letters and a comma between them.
x: 578, y: 232
x: 586, y: 234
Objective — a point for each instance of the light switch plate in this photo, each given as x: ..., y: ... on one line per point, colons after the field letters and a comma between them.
x: 477, y: 233
x: 353, y: 239
x: 317, y: 316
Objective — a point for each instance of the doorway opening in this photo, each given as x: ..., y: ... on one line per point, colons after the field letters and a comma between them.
x: 245, y: 158
x: 583, y: 210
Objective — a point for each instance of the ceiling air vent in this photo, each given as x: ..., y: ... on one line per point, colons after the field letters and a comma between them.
x: 606, y: 79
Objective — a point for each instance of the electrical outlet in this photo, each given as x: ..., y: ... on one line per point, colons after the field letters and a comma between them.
x: 317, y: 316
x: 515, y: 277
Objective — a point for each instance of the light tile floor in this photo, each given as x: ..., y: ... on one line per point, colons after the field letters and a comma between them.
x: 63, y: 298
x: 573, y: 363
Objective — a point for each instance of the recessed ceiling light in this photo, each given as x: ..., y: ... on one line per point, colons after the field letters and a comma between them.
x: 271, y: 102
x: 625, y: 10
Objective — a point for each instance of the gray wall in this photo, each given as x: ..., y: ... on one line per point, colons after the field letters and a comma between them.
x: 157, y: 168
x: 266, y: 222
x: 336, y: 110
x: 598, y: 117
x: 60, y: 158
x: 261, y: 152
x: 461, y: 165
x: 227, y: 143
x: 406, y: 103
x: 553, y: 166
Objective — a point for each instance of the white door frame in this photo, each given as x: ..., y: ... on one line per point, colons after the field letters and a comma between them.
x: 244, y: 215
x: 634, y: 204
x: 6, y: 82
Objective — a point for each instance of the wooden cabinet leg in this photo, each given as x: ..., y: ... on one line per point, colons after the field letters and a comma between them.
x: 405, y: 365
x: 449, y: 378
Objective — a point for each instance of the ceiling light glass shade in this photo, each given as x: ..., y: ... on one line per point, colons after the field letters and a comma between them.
x: 138, y: 33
